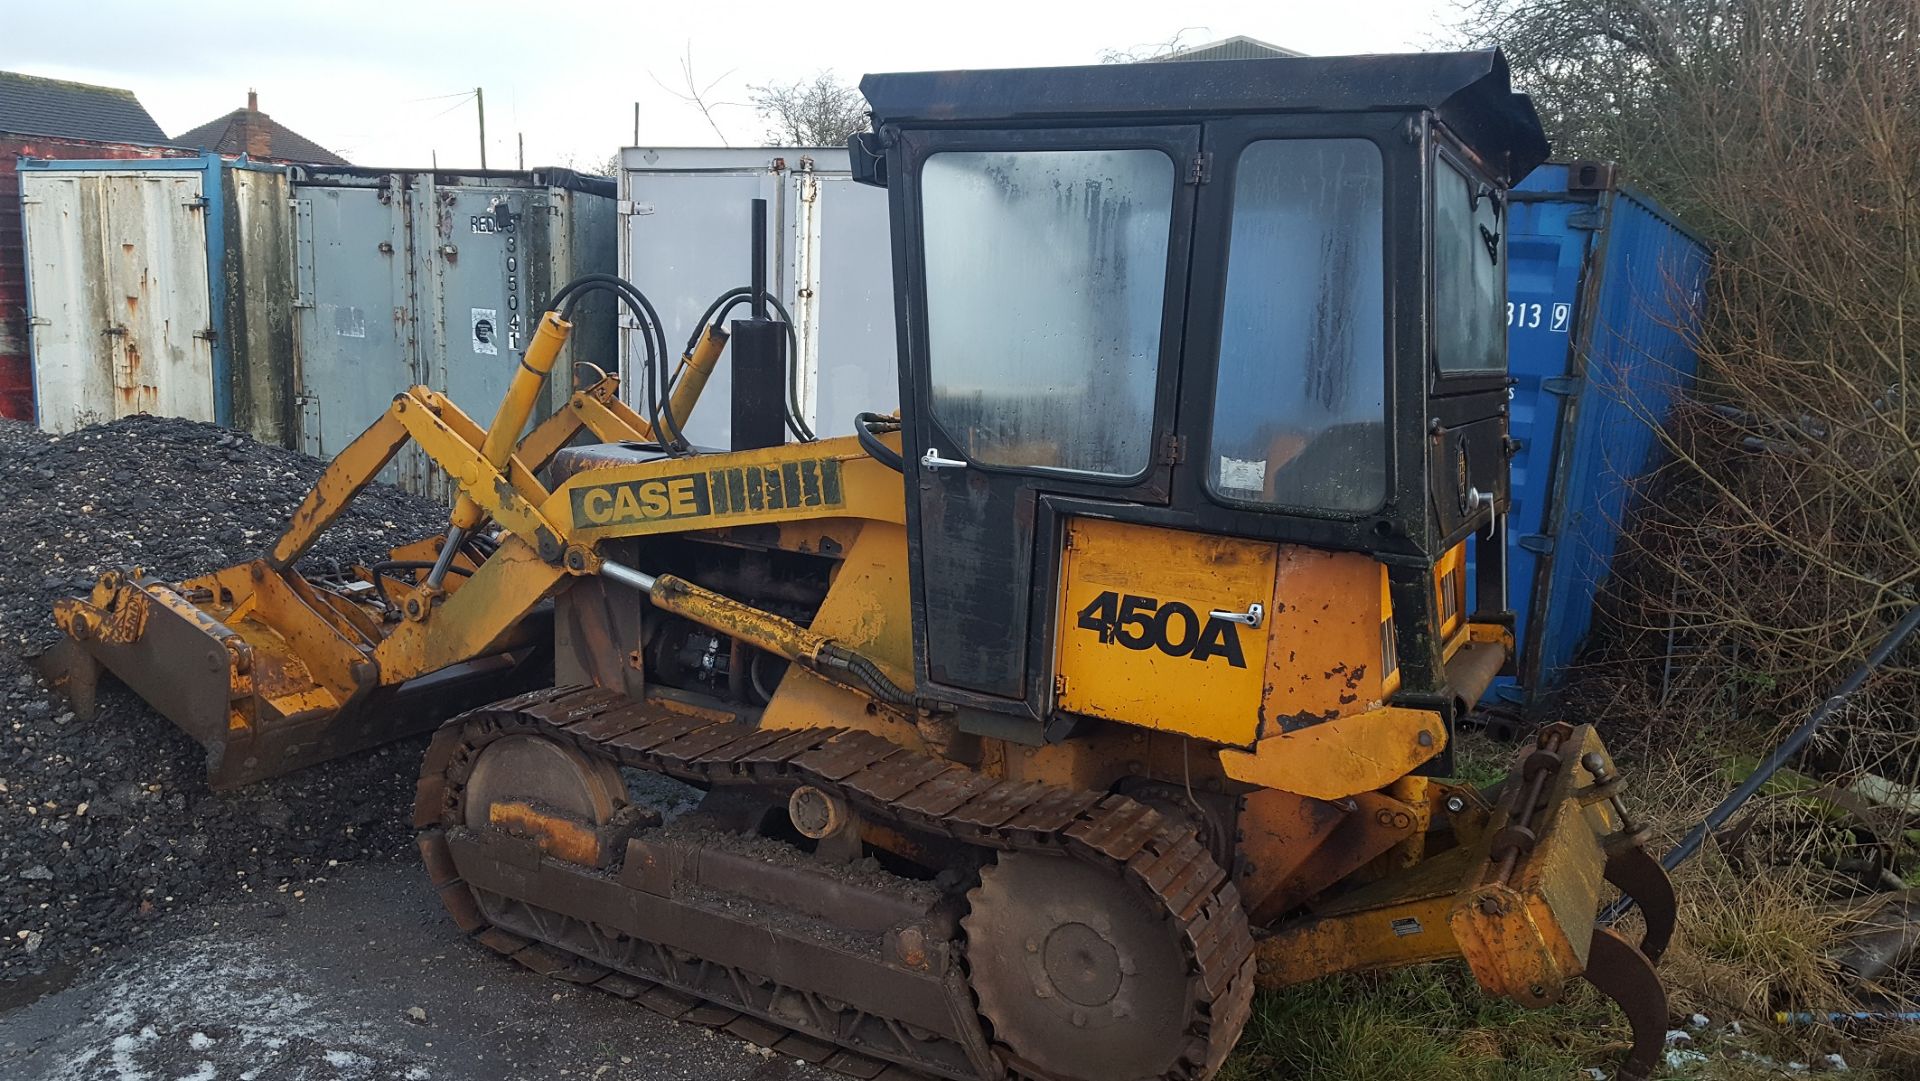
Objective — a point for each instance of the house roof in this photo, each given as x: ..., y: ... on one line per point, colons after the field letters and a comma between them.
x: 31, y: 105
x: 1237, y: 47
x: 259, y: 136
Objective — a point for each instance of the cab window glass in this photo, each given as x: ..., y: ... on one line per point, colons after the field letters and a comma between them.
x: 1299, y: 413
x: 1046, y: 276
x: 1469, y: 284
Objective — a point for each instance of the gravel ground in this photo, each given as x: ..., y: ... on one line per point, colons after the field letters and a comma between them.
x: 109, y: 824
x: 324, y: 989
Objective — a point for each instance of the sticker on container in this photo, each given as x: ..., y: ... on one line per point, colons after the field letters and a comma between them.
x: 1242, y: 475
x: 485, y: 329
x: 1562, y: 315
x: 1407, y: 926
x: 348, y: 322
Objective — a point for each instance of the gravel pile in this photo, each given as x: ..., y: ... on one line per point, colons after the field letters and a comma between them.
x: 106, y: 823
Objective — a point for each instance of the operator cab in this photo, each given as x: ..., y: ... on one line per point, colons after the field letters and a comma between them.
x: 1199, y: 317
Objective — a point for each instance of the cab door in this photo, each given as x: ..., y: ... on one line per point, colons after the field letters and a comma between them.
x: 1047, y: 271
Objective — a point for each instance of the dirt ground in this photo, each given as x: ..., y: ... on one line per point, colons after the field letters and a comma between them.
x: 153, y: 930
x: 319, y: 988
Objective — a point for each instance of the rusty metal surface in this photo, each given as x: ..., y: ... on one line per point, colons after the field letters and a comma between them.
x: 1156, y: 860
x: 238, y: 687
x: 1626, y: 976
x: 1633, y: 871
x: 123, y: 320
x: 1075, y: 977
x: 16, y: 366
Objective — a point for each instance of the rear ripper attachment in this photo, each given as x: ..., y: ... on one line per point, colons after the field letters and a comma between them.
x: 1516, y: 897
x: 1074, y: 936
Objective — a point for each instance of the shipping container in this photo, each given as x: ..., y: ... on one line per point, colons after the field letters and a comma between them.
x: 1604, y: 291
x: 436, y: 278
x: 685, y: 238
x: 133, y: 269
x: 16, y: 358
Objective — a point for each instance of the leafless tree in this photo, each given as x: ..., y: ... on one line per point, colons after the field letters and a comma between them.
x: 820, y: 111
x: 1784, y: 538
x: 1153, y: 50
x: 692, y: 91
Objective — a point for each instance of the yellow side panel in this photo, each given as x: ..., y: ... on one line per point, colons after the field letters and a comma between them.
x: 1450, y: 592
x: 1326, y: 659
x: 868, y: 610
x: 1137, y: 642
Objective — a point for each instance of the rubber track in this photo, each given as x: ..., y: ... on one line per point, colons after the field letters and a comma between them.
x: 1162, y: 860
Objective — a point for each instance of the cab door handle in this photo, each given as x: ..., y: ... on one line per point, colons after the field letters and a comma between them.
x: 1250, y: 618
x: 932, y: 460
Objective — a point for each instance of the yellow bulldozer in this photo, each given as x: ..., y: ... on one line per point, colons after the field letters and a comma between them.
x: 1028, y: 730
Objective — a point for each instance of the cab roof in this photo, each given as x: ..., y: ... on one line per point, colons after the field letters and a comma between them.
x: 1469, y: 91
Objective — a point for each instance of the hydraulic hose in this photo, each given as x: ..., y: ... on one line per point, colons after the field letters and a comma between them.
x: 653, y: 339
x: 763, y: 630
x: 516, y: 406
x: 716, y: 315
x: 834, y: 657
x: 865, y: 427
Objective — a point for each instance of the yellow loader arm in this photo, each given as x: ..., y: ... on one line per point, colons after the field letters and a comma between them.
x: 270, y: 671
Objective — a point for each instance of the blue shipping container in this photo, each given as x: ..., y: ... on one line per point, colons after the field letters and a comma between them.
x: 1604, y: 291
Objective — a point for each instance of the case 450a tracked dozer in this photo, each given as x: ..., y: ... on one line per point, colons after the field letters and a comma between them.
x: 1112, y: 679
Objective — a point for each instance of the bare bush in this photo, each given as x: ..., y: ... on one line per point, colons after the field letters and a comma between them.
x: 820, y: 111
x: 1784, y: 538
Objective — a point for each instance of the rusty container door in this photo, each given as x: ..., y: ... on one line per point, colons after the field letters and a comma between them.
x: 118, y: 291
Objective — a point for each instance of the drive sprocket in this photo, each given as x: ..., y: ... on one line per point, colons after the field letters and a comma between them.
x: 1077, y: 976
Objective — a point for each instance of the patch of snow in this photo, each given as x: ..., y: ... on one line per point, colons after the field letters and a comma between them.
x: 140, y: 1023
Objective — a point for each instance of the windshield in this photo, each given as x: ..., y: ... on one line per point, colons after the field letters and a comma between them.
x: 1046, y: 277
x: 1469, y: 284
x: 1299, y: 413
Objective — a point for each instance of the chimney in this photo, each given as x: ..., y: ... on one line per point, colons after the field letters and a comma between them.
x: 255, y: 136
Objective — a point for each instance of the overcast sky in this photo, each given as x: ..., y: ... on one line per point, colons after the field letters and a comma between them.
x: 389, y: 82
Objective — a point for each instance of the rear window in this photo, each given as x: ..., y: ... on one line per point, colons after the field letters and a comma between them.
x: 1469, y: 284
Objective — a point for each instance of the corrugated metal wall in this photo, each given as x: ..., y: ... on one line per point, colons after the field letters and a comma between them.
x: 16, y: 364
x: 258, y: 269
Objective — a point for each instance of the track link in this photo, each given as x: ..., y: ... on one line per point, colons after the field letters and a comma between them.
x: 1161, y: 861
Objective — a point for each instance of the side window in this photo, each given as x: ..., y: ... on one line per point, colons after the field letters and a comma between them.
x: 1046, y: 275
x: 1300, y: 410
x: 1469, y: 282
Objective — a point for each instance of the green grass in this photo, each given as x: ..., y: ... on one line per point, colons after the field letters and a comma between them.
x: 1433, y: 1023
x: 1429, y: 1023
x: 1481, y: 761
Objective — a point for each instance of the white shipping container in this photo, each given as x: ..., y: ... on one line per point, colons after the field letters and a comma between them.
x: 685, y: 220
